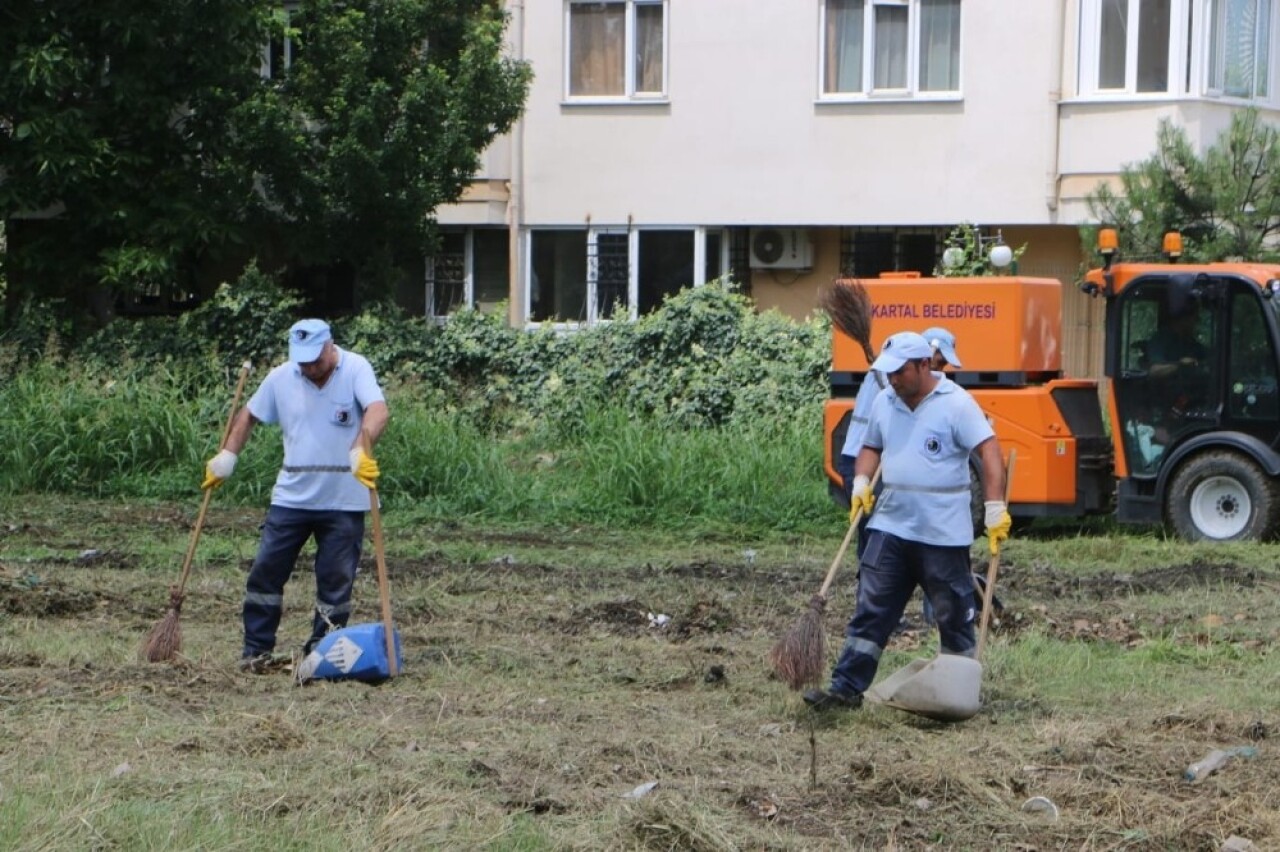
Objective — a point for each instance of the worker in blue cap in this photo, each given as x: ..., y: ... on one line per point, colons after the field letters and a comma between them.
x: 920, y: 433
x: 331, y: 411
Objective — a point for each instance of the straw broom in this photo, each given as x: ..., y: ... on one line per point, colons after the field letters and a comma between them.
x: 800, y: 657
x: 848, y: 304
x: 165, y: 639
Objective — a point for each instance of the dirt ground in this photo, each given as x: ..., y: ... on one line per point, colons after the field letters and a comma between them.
x: 549, y: 677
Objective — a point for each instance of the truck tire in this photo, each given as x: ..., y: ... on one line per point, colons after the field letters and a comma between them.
x: 1222, y: 496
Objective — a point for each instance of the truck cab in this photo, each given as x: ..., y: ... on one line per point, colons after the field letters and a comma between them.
x: 1191, y: 354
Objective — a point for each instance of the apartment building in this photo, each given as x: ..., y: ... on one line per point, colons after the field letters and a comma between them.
x: 669, y: 142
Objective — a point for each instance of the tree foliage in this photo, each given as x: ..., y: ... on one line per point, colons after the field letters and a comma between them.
x: 147, y: 140
x: 115, y: 129
x: 1226, y: 203
x: 379, y: 120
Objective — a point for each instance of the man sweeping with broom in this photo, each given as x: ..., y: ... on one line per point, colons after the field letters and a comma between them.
x: 331, y: 412
x: 919, y: 435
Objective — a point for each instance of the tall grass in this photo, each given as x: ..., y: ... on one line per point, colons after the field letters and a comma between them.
x: 146, y: 435
x: 84, y: 432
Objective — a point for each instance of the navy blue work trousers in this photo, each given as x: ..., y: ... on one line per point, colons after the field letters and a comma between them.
x: 889, y: 571
x: 338, y: 538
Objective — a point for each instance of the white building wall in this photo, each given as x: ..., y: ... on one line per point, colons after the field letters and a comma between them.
x: 744, y: 139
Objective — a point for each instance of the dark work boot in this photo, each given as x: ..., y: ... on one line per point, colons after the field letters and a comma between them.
x: 821, y: 699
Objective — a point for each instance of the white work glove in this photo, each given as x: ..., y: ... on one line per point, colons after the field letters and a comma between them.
x: 998, y: 523
x: 364, y: 468
x: 861, y: 500
x: 218, y: 469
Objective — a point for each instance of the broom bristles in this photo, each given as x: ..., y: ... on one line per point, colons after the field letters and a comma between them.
x: 848, y: 304
x: 800, y: 657
x: 165, y: 639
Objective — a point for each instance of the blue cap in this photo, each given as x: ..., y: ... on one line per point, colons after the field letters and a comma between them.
x: 307, y: 339
x: 899, y: 349
x: 945, y: 342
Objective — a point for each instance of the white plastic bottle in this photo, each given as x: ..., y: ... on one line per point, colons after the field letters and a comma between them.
x: 1206, y: 765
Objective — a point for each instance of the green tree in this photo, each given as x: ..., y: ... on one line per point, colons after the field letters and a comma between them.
x: 147, y: 140
x: 115, y: 136
x: 380, y: 120
x: 1225, y: 203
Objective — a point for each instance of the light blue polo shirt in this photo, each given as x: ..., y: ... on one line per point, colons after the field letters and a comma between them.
x: 925, y: 459
x: 319, y: 427
x: 872, y: 384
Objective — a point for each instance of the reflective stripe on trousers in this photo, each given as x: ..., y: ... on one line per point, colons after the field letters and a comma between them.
x: 338, y: 536
x: 891, y: 568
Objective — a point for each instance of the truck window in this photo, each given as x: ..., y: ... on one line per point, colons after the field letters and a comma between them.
x: 1167, y: 387
x: 1251, y: 376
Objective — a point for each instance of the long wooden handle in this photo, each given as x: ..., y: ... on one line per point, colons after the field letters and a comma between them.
x: 384, y: 592
x: 380, y: 556
x: 208, y: 492
x: 844, y: 545
x: 993, y: 565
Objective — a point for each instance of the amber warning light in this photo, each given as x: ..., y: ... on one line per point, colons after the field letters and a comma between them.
x: 1108, y: 242
x: 1173, y: 245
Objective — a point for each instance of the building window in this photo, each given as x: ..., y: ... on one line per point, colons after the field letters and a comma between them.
x: 1159, y: 47
x: 617, y: 273
x: 894, y: 47
x: 867, y: 252
x: 558, y: 276
x: 1240, y: 47
x: 617, y: 50
x: 470, y: 269
x: 1127, y: 45
x: 284, y: 46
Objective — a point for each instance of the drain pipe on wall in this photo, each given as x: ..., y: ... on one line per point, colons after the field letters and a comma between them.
x: 1054, y: 175
x: 516, y: 313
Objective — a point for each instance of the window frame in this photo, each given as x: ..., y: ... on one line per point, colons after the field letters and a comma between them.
x: 286, y: 12
x: 1215, y: 89
x: 911, y: 91
x: 629, y: 95
x: 1090, y: 50
x: 1190, y: 55
x: 593, y: 232
x: 469, y: 302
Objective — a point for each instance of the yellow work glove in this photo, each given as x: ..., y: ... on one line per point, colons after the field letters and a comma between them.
x: 862, y: 499
x: 218, y: 468
x: 364, y: 468
x: 998, y: 524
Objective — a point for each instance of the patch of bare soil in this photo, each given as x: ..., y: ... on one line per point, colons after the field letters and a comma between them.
x: 33, y: 595
x: 622, y: 616
x: 1040, y: 582
x: 702, y: 618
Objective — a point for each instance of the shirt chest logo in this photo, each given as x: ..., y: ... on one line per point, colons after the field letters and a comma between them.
x: 343, y: 415
x: 932, y: 446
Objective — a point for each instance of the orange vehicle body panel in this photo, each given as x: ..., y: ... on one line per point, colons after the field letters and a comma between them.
x: 1123, y: 273
x: 1119, y: 460
x: 1000, y: 324
x: 1025, y: 419
x: 1008, y: 331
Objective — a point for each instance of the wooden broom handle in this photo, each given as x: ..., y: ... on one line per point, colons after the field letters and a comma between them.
x: 384, y: 592
x: 848, y: 537
x: 993, y: 565
x: 208, y: 492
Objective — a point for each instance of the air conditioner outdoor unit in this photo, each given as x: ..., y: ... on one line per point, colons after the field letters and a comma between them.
x: 781, y: 248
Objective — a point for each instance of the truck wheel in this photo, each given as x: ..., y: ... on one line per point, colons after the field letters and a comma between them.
x: 1222, y: 496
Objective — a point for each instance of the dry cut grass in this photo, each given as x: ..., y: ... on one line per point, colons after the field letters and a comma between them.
x: 539, y: 701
